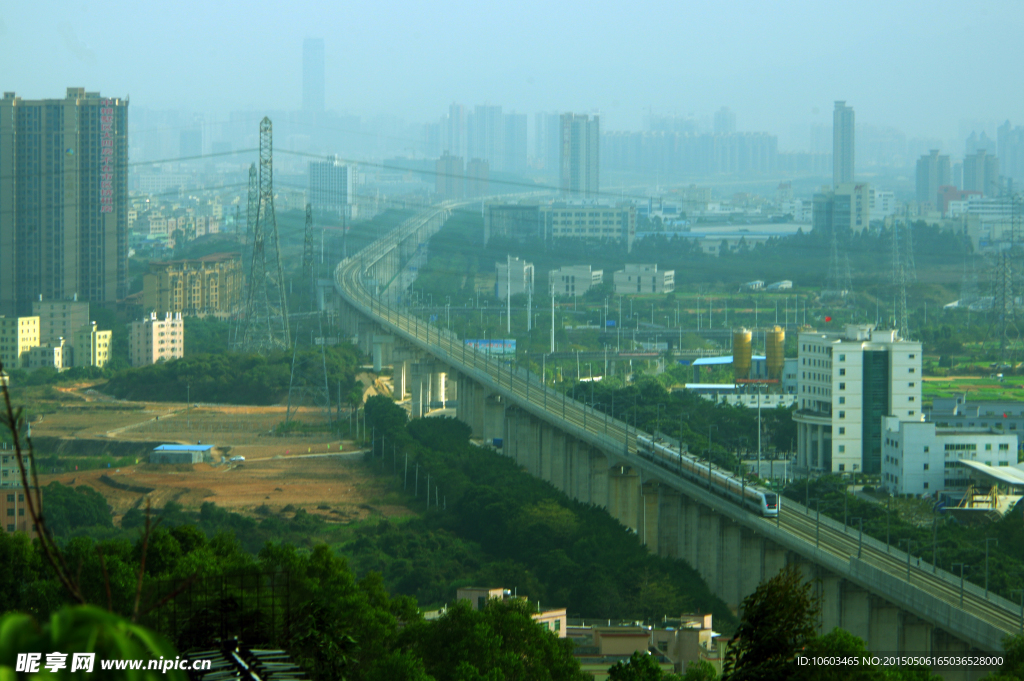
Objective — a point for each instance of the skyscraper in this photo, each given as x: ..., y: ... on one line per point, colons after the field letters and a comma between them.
x: 313, y: 74
x: 581, y: 155
x: 330, y: 186
x: 842, y: 144
x: 725, y: 121
x: 63, y: 199
x: 932, y: 173
x: 981, y: 173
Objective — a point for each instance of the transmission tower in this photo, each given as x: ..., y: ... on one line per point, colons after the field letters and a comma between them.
x: 308, y: 384
x: 838, y: 286
x: 909, y: 268
x: 899, y: 282
x: 308, y: 257
x: 265, y: 323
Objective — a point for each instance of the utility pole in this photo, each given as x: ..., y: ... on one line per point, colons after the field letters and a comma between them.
x: 553, y: 321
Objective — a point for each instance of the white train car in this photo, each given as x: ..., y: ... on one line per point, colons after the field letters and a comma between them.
x: 756, y: 499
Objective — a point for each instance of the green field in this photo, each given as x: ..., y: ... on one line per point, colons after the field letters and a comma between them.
x: 1008, y: 388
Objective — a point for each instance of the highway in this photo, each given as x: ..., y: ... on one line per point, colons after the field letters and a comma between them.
x: 829, y: 541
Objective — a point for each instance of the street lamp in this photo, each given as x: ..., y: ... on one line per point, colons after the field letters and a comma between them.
x: 860, y: 538
x: 987, y: 540
x: 657, y: 425
x: 910, y: 545
x: 817, y: 522
x: 681, y: 417
x: 962, y: 566
x: 710, y: 426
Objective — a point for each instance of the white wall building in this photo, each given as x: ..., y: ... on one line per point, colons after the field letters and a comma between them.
x: 847, y: 382
x: 330, y: 186
x: 153, y: 340
x: 521, y: 278
x: 644, y: 278
x: 573, y: 280
x: 918, y: 458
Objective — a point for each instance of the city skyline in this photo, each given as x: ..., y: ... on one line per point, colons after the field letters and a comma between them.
x: 774, y: 71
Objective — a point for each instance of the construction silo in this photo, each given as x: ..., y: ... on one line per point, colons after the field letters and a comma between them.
x: 775, y: 352
x: 741, y: 353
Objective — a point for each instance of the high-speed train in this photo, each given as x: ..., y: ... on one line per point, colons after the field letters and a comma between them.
x: 756, y: 499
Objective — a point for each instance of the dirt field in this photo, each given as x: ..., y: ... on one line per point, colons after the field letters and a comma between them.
x: 301, y: 471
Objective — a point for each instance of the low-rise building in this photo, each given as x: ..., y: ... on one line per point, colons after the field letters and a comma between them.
x: 583, y: 220
x: 18, y: 335
x: 919, y: 458
x: 177, y: 453
x: 516, y: 274
x: 93, y: 346
x: 58, y: 321
x: 14, y: 515
x: 153, y: 340
x: 573, y: 280
x: 47, y: 356
x: 644, y: 278
x: 553, y: 619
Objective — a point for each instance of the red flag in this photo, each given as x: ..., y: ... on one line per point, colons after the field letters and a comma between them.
x: 828, y: 319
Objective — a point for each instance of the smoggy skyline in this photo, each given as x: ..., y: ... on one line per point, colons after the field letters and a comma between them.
x: 927, y: 68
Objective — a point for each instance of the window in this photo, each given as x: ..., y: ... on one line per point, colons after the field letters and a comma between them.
x: 910, y: 385
x: 842, y: 372
x: 842, y: 386
x: 842, y: 400
x: 842, y: 430
x: 842, y: 358
x: 1004, y: 447
x: 910, y: 399
x: 926, y: 449
x: 842, y: 414
x: 910, y: 413
x: 926, y: 466
x: 842, y: 449
x: 842, y: 467
x: 926, y: 485
x: 988, y: 447
x: 910, y: 370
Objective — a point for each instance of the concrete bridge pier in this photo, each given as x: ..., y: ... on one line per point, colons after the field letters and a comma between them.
x: 669, y: 520
x: 915, y: 635
x: 624, y: 496
x: 885, y: 626
x: 856, y: 611
x: 830, y: 590
x: 598, y: 463
x: 438, y: 382
x: 382, y: 347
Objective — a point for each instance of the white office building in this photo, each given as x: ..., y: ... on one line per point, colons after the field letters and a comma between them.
x: 644, y: 278
x: 521, y: 278
x: 846, y: 383
x: 920, y: 459
x: 330, y: 186
x: 573, y: 280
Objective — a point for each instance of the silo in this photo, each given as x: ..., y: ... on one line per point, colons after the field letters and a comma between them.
x: 775, y: 352
x: 741, y: 353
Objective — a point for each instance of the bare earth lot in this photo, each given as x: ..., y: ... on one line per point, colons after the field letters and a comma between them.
x: 305, y: 472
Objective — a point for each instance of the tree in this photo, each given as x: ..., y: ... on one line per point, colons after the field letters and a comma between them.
x: 499, y: 642
x: 701, y: 670
x: 778, y: 620
x: 641, y: 666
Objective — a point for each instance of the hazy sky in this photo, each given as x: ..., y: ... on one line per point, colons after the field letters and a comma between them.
x: 921, y: 66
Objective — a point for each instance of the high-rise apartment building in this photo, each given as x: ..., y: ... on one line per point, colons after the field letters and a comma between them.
x: 581, y: 155
x: 981, y: 173
x: 449, y: 178
x: 153, y: 340
x: 932, y: 172
x: 313, y: 74
x: 63, y: 199
x: 330, y: 186
x: 547, y: 139
x: 842, y: 144
x: 846, y: 383
x: 478, y: 175
x: 725, y: 121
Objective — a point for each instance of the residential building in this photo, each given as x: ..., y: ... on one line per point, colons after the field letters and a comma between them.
x: 153, y: 340
x: 313, y: 74
x: 81, y: 249
x: 842, y: 145
x: 981, y: 173
x: 573, y: 280
x: 590, y: 220
x: 478, y: 175
x: 48, y: 356
x: 848, y: 381
x: 515, y: 143
x: 547, y: 137
x: 933, y: 172
x: 553, y: 619
x: 644, y: 279
x: 921, y: 458
x: 92, y: 346
x: 14, y: 516
x: 725, y: 121
x: 844, y: 207
x: 449, y: 180
x: 330, y: 186
x: 582, y: 220
x: 1010, y: 147
x: 18, y: 335
x: 521, y: 277
x: 58, y: 321
x: 210, y: 285
x: 581, y: 156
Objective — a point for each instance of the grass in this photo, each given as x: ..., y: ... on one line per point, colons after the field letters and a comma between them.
x: 1010, y: 388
